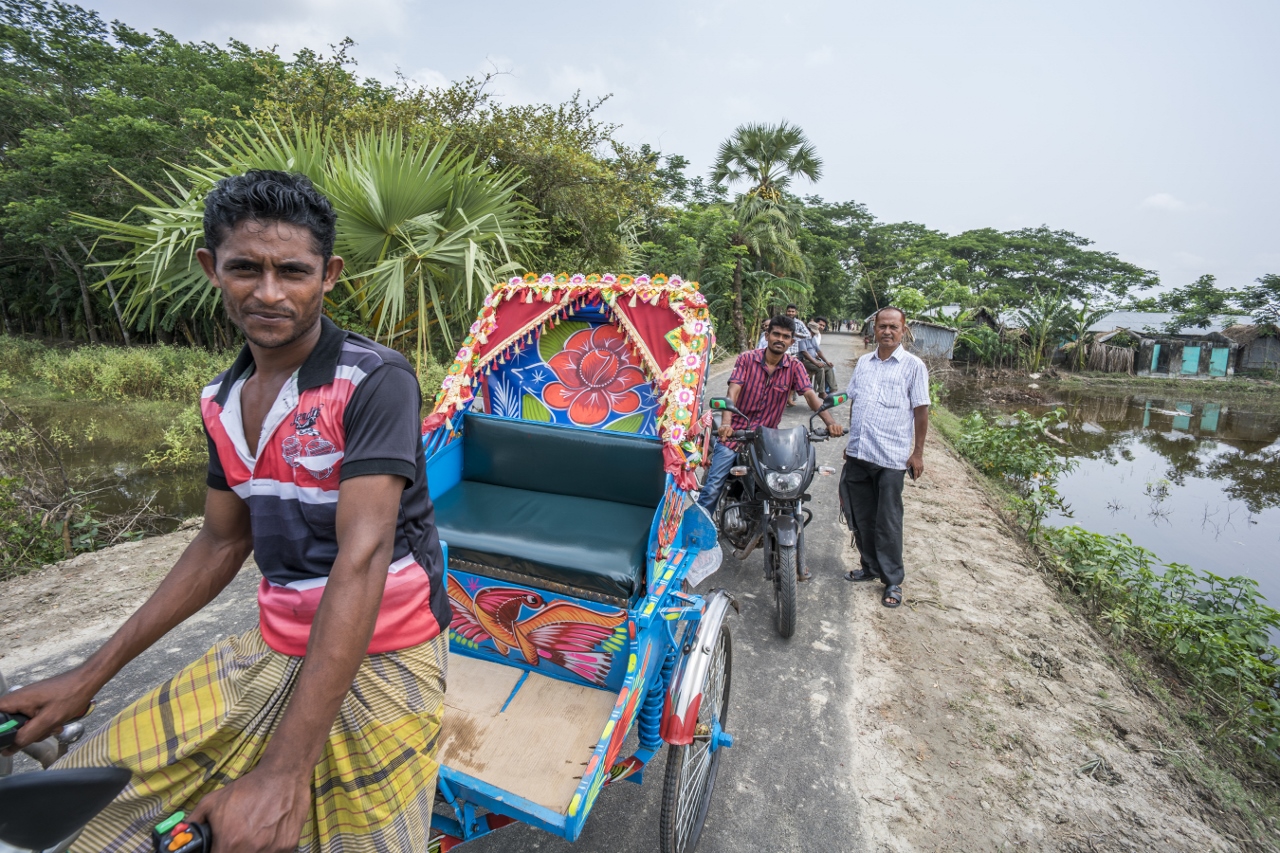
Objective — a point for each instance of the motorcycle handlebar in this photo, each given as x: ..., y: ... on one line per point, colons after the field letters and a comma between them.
x: 175, y: 834
x: 9, y: 725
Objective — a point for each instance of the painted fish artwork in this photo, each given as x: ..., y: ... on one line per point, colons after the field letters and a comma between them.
x: 519, y: 620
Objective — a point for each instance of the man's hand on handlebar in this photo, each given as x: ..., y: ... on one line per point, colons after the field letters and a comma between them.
x: 50, y: 704
x: 261, y: 812
x: 726, y: 430
x: 835, y: 429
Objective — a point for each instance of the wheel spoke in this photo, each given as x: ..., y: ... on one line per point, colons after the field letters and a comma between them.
x: 691, y: 792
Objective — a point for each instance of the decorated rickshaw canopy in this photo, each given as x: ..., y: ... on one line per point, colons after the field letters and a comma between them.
x: 612, y: 352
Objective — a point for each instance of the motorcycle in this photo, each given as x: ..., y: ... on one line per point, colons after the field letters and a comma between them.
x: 762, y: 505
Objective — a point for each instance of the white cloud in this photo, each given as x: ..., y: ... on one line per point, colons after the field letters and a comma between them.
x: 1166, y: 202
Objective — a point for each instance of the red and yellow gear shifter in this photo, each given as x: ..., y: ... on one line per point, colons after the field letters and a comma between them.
x: 175, y: 835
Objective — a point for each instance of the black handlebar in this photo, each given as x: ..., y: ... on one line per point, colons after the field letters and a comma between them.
x: 175, y: 834
x: 9, y: 725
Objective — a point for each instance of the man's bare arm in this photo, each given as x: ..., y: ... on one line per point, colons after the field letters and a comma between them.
x: 916, y: 461
x: 726, y: 420
x: 207, y: 565
x: 265, y: 810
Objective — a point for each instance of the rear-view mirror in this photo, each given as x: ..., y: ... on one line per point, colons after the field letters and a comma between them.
x: 834, y: 400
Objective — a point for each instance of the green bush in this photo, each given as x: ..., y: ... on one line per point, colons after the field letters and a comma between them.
x: 131, y: 373
x: 1014, y: 450
x: 27, y: 538
x: 1215, y: 630
x: 183, y: 443
x: 17, y: 355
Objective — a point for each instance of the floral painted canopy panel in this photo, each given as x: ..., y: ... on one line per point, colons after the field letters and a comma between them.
x: 583, y: 372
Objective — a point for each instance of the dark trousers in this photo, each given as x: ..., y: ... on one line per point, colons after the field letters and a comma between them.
x: 822, y: 378
x: 874, y: 495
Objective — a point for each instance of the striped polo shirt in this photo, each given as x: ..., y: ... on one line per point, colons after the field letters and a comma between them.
x: 884, y: 394
x: 352, y: 409
x: 764, y: 395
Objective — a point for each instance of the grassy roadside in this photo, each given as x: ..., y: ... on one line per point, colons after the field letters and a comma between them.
x: 1257, y: 392
x: 1237, y: 773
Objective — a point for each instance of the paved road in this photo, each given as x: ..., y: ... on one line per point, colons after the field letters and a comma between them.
x: 785, y: 786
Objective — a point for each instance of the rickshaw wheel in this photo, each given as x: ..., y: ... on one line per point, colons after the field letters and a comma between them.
x: 784, y: 589
x: 691, y: 770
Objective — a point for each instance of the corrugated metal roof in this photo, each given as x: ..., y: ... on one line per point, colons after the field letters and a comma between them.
x: 1140, y: 321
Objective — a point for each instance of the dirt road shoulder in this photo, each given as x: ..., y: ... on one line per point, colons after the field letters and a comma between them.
x: 989, y: 717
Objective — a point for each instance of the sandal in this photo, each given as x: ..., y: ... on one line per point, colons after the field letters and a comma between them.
x: 803, y: 574
x: 892, y: 596
x: 858, y: 575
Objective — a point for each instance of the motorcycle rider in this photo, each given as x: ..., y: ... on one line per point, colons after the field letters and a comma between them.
x: 761, y: 381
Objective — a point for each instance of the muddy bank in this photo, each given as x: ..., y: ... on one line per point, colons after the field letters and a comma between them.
x: 988, y: 716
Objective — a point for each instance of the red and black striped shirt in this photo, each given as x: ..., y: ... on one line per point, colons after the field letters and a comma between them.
x: 764, y: 395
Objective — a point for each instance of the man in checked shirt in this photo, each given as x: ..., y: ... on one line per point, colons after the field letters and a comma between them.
x: 888, y: 420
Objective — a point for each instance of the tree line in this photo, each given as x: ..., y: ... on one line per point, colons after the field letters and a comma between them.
x: 110, y: 136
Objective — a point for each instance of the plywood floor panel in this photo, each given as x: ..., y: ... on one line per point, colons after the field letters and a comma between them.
x: 538, y: 747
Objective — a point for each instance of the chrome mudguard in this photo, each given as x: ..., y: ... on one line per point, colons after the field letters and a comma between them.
x: 680, y: 716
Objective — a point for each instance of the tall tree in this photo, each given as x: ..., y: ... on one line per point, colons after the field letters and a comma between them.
x: 768, y: 157
x: 82, y: 101
x: 1262, y: 299
x: 1199, y: 303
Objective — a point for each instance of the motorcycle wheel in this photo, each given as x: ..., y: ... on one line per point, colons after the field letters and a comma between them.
x: 784, y: 589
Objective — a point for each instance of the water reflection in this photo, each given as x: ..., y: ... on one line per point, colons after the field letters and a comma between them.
x: 105, y: 447
x: 1195, y: 482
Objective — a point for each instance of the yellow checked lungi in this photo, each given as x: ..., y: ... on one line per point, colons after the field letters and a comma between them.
x: 374, y: 785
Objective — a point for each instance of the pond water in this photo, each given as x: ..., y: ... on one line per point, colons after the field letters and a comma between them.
x: 106, y: 444
x: 1196, y: 482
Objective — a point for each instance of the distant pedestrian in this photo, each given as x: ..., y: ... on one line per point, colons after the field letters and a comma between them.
x: 888, y: 421
x: 821, y: 370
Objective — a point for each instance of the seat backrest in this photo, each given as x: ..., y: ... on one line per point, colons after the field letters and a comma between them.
x: 562, y: 460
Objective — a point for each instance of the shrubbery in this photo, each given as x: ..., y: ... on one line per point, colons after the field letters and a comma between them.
x: 132, y: 373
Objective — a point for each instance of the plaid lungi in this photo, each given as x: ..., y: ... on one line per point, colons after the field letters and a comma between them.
x: 373, y: 787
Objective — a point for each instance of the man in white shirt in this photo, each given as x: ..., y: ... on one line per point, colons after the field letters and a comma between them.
x: 888, y: 421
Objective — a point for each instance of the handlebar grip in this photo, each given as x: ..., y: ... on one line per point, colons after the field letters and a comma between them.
x: 9, y: 725
x: 176, y: 835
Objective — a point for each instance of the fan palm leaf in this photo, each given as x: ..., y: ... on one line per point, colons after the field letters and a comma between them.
x: 424, y: 231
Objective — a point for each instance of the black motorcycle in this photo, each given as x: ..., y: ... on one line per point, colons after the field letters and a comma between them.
x: 762, y: 505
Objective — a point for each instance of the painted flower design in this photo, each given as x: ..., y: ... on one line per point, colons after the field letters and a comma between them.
x: 597, y: 377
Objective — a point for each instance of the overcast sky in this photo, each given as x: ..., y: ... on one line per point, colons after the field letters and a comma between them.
x: 1149, y: 127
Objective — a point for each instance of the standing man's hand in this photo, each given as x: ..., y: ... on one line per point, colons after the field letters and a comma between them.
x: 915, y: 464
x: 835, y: 429
x: 261, y: 812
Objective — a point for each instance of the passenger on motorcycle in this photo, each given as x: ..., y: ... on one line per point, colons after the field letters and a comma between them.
x: 759, y: 386
x: 317, y: 728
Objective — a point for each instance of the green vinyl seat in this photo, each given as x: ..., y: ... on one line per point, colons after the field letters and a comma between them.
x: 553, y: 506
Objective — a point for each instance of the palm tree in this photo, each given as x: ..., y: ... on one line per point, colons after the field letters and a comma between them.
x: 768, y: 157
x: 425, y: 231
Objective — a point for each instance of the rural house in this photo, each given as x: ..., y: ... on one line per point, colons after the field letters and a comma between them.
x: 1259, y: 345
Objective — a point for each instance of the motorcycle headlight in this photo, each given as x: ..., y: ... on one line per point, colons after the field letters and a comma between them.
x: 784, y: 485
